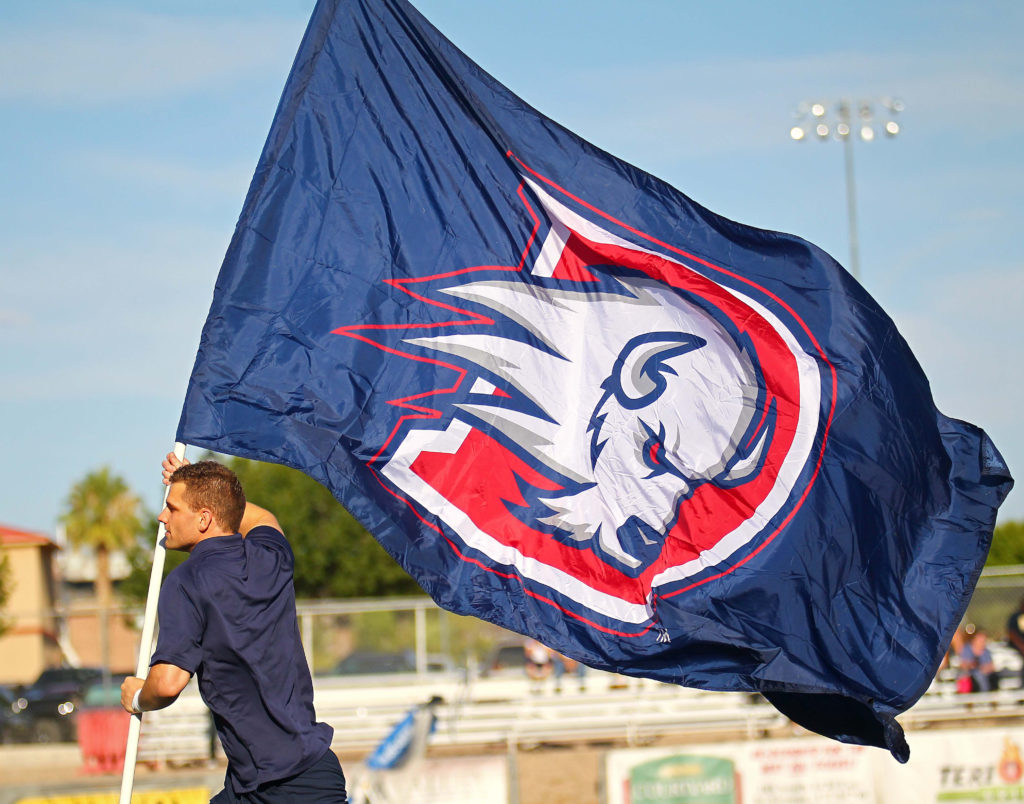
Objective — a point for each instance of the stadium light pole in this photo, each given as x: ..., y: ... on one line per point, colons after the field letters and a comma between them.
x: 836, y: 121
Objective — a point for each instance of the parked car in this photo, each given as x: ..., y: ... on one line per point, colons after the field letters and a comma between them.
x: 9, y: 728
x: 44, y: 711
x: 369, y: 662
x: 507, y: 659
x: 99, y: 694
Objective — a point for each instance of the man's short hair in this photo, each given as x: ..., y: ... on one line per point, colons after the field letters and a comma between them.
x: 211, y: 485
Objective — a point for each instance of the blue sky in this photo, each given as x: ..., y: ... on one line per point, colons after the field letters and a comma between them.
x: 131, y: 130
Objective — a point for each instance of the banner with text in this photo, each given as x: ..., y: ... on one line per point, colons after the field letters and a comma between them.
x: 961, y: 765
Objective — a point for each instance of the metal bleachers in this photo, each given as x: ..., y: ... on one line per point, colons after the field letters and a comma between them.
x: 632, y: 715
x: 488, y: 712
x: 180, y: 733
x: 511, y: 713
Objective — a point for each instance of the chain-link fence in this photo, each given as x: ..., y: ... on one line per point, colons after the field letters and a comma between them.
x: 340, y: 637
x: 367, y: 637
x: 370, y: 637
x: 411, y: 635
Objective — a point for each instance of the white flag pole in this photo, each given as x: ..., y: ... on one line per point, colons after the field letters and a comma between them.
x: 131, y: 751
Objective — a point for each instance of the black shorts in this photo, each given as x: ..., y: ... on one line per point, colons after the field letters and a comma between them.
x: 323, y: 783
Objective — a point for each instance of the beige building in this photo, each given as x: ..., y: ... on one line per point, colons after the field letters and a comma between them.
x: 29, y: 642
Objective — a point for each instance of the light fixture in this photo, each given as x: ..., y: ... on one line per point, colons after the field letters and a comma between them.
x: 813, y: 117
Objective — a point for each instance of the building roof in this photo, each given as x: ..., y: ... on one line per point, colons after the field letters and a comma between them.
x: 11, y: 537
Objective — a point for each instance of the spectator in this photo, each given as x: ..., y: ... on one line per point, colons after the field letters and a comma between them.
x: 1015, y: 633
x: 976, y: 664
x: 539, y: 662
x: 563, y: 665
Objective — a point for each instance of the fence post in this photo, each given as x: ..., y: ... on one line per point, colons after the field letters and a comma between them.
x: 306, y: 622
x: 421, y: 638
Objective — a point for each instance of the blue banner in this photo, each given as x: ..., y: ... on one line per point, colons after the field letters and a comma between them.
x: 572, y: 402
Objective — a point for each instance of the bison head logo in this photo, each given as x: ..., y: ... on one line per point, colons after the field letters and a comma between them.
x: 621, y: 423
x: 634, y: 394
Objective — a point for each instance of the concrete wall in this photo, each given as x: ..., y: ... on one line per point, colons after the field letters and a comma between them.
x: 29, y: 643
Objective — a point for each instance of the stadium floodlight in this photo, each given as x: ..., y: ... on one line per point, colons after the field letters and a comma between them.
x: 846, y: 121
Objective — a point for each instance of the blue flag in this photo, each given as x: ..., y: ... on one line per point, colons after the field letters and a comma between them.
x: 572, y: 402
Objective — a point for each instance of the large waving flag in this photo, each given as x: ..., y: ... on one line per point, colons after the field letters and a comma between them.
x: 570, y: 401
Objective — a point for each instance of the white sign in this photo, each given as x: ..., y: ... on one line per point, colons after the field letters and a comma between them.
x: 966, y: 766
x: 459, y: 780
x: 797, y: 771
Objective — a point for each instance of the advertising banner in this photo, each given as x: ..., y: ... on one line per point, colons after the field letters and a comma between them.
x: 975, y: 766
x: 966, y: 766
x: 683, y: 778
x: 449, y: 780
x: 797, y: 771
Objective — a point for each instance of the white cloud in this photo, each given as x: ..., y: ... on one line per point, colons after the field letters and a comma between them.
x: 109, y: 57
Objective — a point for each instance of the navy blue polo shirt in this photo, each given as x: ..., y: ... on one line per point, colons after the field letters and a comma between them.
x: 227, y: 614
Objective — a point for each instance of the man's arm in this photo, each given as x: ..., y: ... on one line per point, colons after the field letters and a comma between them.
x: 160, y: 688
x: 255, y: 516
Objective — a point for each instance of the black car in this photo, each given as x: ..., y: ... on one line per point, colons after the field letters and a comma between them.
x: 366, y: 662
x: 369, y: 662
x: 9, y: 729
x: 508, y: 659
x: 44, y: 711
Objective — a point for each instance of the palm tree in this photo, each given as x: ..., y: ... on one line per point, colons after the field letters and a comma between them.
x: 103, y: 513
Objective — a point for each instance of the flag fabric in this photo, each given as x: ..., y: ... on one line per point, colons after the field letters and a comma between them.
x: 572, y: 402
